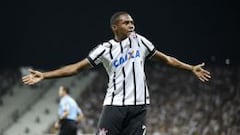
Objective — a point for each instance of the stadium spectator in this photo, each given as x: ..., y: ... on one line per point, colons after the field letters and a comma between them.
x: 181, y: 105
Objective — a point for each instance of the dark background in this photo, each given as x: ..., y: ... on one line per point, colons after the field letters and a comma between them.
x: 50, y: 34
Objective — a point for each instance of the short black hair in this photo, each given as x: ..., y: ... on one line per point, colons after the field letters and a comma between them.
x: 66, y: 89
x: 115, y: 16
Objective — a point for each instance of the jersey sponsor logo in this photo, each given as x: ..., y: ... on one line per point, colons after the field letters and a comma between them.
x: 122, y: 59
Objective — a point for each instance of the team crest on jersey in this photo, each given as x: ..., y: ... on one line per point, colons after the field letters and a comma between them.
x: 102, y: 131
x: 122, y: 59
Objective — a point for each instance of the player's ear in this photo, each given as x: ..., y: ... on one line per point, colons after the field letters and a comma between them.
x: 114, y: 27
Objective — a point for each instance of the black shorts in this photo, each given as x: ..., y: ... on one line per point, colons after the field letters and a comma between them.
x: 122, y: 120
x: 68, y: 127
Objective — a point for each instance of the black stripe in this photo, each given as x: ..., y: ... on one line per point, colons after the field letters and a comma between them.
x: 150, y: 52
x: 124, y: 89
x: 145, y: 93
x: 134, y: 82
x: 99, y: 55
x: 114, y: 86
x: 91, y: 61
x: 137, y: 41
x: 121, y: 47
x: 130, y: 42
x: 110, y: 51
x: 147, y: 96
x: 145, y: 45
x: 114, y: 80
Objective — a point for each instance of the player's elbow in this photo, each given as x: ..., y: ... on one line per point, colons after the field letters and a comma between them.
x: 171, y: 60
x: 73, y: 71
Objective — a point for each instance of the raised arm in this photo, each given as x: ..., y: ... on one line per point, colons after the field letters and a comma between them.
x: 69, y: 70
x: 201, y: 73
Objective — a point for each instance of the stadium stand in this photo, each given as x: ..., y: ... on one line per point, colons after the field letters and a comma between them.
x: 180, y: 103
x: 42, y: 113
x: 8, y: 77
x: 16, y: 100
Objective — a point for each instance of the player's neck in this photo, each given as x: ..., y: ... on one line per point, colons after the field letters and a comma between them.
x: 120, y: 38
x: 65, y: 95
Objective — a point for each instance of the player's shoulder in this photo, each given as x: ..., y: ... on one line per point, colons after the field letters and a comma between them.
x: 106, y: 44
x: 140, y: 36
x: 101, y: 46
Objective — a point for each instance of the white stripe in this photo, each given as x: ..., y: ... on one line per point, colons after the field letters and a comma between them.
x: 125, y: 59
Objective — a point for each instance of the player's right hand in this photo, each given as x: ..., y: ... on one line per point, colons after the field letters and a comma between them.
x: 56, y: 125
x: 33, y: 77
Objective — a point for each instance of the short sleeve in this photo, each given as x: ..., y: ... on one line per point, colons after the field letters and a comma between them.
x: 95, y: 56
x: 65, y: 105
x: 148, y: 49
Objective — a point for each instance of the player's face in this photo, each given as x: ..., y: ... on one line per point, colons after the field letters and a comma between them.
x: 124, y: 26
x: 61, y: 92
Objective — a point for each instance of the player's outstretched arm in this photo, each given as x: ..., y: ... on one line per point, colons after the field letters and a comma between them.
x: 201, y: 73
x: 69, y: 70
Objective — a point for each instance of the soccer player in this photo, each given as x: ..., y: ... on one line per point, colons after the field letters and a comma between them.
x: 123, y: 57
x: 69, y: 113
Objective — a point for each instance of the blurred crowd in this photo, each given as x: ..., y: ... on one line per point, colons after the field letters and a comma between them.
x: 8, y: 77
x: 180, y: 103
x: 91, y: 100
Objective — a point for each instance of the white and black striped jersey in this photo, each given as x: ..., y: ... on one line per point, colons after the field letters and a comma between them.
x: 124, y: 63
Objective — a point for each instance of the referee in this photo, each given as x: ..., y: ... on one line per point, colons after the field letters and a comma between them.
x: 123, y: 57
x: 69, y: 113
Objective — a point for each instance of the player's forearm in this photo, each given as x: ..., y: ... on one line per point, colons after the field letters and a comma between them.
x: 68, y: 70
x: 64, y: 115
x: 62, y: 72
x: 176, y: 63
x: 172, y: 61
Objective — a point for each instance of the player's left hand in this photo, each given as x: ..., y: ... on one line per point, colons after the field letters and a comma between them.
x: 201, y: 73
x: 80, y: 118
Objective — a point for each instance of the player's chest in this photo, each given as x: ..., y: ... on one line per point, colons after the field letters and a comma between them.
x: 123, y: 54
